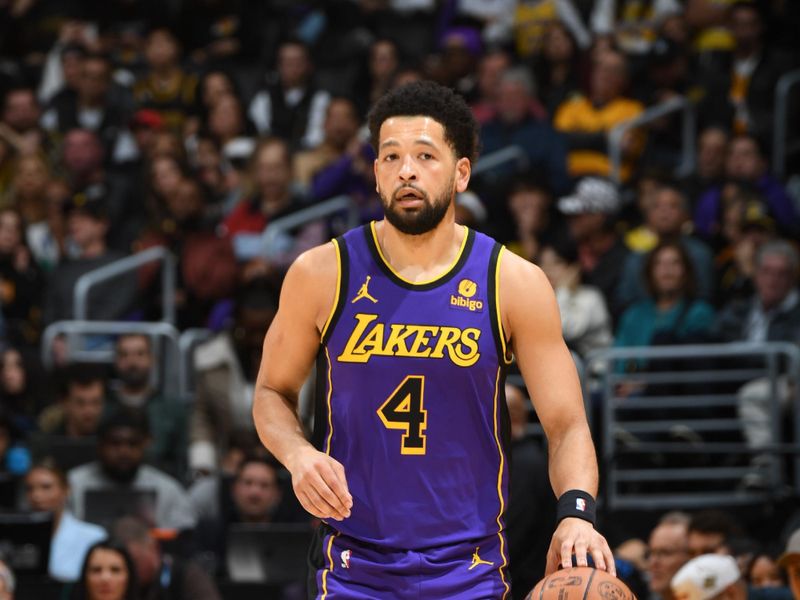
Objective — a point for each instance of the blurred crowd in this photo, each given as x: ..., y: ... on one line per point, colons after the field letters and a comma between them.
x: 194, y: 125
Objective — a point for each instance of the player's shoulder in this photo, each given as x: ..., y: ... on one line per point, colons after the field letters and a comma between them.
x: 313, y: 269
x: 516, y: 271
x: 317, y: 261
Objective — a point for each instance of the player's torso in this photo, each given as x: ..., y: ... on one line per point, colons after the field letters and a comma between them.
x: 411, y: 397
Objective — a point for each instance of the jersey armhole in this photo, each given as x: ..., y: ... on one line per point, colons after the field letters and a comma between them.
x: 342, y: 279
x: 503, y: 354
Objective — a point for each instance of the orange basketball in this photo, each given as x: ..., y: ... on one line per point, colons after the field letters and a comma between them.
x: 580, y: 583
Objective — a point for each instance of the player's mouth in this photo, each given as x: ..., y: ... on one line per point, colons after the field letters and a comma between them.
x: 409, y: 197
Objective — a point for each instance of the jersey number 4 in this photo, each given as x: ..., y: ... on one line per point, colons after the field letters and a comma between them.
x: 404, y: 410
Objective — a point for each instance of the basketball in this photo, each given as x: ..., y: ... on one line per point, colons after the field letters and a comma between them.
x: 580, y: 583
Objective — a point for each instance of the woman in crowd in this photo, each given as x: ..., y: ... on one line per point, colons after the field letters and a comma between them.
x: 21, y: 390
x: 671, y: 314
x: 47, y: 490
x: 108, y: 574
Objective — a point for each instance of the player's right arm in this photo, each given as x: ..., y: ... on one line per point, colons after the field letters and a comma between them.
x: 290, y: 347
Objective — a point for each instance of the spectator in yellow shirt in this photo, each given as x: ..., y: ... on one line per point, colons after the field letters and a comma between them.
x: 586, y: 121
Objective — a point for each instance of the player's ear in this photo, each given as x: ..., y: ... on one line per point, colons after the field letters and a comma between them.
x: 463, y: 172
x: 375, y: 171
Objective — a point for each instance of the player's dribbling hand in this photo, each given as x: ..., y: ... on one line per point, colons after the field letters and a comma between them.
x: 320, y: 485
x: 578, y: 537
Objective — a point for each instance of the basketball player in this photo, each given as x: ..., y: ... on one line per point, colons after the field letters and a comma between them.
x: 413, y: 321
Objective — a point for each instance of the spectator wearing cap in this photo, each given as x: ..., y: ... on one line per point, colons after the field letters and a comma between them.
x: 587, y: 120
x: 144, y: 125
x: 289, y: 106
x: 746, y: 162
x: 122, y: 443
x: 514, y: 124
x: 666, y: 218
x: 707, y: 577
x: 790, y: 561
x: 590, y: 212
x: 87, y: 224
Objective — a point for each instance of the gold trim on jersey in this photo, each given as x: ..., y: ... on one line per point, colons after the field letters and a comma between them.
x: 328, y: 569
x: 506, y: 358
x: 330, y: 412
x: 500, y: 488
x: 338, y: 290
x: 400, y: 277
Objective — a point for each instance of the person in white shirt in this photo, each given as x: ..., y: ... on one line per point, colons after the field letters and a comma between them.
x: 47, y: 490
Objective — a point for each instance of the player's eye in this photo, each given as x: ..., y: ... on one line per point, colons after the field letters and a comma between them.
x: 390, y: 157
x: 426, y: 156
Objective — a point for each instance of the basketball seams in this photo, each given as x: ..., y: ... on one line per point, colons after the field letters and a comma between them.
x: 544, y: 585
x: 588, y: 584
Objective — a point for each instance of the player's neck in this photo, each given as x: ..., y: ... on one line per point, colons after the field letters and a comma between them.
x: 421, y: 257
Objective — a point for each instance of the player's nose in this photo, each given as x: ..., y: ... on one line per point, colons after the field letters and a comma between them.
x: 407, y: 171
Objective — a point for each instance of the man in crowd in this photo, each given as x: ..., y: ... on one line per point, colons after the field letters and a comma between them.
x: 134, y: 364
x: 707, y: 577
x: 667, y: 551
x: 122, y: 442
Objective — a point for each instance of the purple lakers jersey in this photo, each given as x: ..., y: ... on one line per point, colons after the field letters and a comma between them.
x: 411, y: 399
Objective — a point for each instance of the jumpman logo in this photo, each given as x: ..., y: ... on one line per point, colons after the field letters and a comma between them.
x: 477, y: 560
x: 363, y: 292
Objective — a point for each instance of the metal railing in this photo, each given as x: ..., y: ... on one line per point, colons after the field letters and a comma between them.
x: 688, y: 133
x: 781, y: 118
x: 125, y: 265
x: 672, y: 434
x: 79, y: 334
x: 494, y: 159
x: 272, y: 235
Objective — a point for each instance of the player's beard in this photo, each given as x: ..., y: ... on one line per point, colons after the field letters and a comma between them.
x: 423, y: 219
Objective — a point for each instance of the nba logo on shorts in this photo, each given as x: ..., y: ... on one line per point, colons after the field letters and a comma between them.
x: 346, y: 559
x: 580, y: 504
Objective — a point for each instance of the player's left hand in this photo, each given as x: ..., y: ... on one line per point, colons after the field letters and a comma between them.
x: 578, y: 537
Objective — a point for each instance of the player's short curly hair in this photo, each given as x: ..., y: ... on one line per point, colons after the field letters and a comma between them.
x: 429, y: 99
